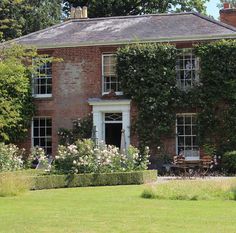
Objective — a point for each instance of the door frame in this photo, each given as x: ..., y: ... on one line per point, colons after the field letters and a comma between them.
x: 100, y: 107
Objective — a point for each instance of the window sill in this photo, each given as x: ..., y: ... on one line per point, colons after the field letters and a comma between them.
x: 117, y: 93
x: 42, y: 96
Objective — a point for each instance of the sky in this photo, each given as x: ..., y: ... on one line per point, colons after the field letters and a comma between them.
x: 212, y: 8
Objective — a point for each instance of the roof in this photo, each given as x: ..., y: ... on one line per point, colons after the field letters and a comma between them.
x: 128, y: 29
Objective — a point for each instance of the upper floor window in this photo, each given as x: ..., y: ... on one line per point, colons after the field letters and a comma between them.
x: 42, y: 81
x: 109, y: 75
x: 187, y: 67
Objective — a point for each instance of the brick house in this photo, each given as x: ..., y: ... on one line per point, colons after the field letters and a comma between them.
x: 81, y: 83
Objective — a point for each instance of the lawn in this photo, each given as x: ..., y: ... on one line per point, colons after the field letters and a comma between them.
x: 112, y: 209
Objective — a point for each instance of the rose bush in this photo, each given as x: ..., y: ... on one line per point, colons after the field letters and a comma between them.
x: 10, y: 157
x: 84, y: 157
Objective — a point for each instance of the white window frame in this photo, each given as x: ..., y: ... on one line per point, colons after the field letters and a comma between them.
x: 193, y: 71
x: 193, y: 156
x: 39, y: 136
x: 103, y: 82
x: 36, y: 77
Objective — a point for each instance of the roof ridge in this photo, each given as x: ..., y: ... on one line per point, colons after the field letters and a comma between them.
x: 131, y: 16
x: 215, y: 21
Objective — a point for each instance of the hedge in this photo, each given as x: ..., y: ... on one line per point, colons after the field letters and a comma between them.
x: 83, y: 180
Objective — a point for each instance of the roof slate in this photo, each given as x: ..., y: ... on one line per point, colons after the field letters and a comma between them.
x: 127, y: 29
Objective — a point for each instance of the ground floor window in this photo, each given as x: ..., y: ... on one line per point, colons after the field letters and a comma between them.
x: 42, y: 133
x: 187, y: 139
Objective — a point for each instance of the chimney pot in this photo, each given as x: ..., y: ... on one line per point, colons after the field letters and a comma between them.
x: 226, y: 5
x: 85, y: 12
x: 72, y: 12
x: 78, y: 13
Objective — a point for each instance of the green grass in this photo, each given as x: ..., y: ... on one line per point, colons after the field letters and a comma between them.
x: 222, y: 189
x: 112, y: 209
x: 13, y: 184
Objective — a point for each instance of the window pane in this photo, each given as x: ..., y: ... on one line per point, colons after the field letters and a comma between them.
x: 180, y: 120
x: 188, y: 120
x: 42, y: 122
x: 36, y: 132
x: 188, y: 141
x: 42, y: 132
x: 187, y: 130
x: 180, y: 130
x: 36, y: 141
x: 48, y: 132
x: 36, y: 122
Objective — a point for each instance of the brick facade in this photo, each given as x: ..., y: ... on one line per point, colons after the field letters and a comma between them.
x: 75, y: 79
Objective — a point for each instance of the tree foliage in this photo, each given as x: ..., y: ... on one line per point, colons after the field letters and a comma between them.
x: 15, y: 94
x: 16, y: 72
x: 11, y: 19
x: 20, y: 17
x: 135, y: 7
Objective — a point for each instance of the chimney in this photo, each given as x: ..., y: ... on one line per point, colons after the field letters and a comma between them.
x: 228, y: 14
x: 85, y: 12
x: 79, y: 13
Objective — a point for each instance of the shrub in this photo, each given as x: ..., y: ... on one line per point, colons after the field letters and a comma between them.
x: 192, y: 190
x: 13, y: 184
x: 84, y: 157
x: 10, y: 157
x: 229, y: 162
x: 83, y: 180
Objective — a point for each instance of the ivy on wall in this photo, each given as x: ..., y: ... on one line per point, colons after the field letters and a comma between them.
x: 217, y: 116
x: 147, y: 73
x: 148, y: 77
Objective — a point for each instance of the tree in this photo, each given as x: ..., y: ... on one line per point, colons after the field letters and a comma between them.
x: 20, y: 17
x: 15, y: 92
x: 40, y: 14
x: 11, y: 20
x: 16, y: 102
x: 134, y: 7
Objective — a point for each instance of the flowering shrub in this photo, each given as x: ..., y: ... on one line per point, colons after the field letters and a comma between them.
x: 36, y: 156
x: 84, y: 157
x: 10, y: 157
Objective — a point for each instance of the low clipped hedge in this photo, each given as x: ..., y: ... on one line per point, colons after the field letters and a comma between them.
x: 229, y: 162
x: 83, y: 180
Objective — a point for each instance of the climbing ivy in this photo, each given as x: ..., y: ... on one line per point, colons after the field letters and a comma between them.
x: 217, y: 115
x: 148, y: 77
x: 147, y: 73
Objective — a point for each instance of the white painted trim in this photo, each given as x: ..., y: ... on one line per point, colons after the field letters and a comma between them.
x: 105, y: 106
x: 41, y: 96
x: 108, y: 102
x: 117, y: 92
